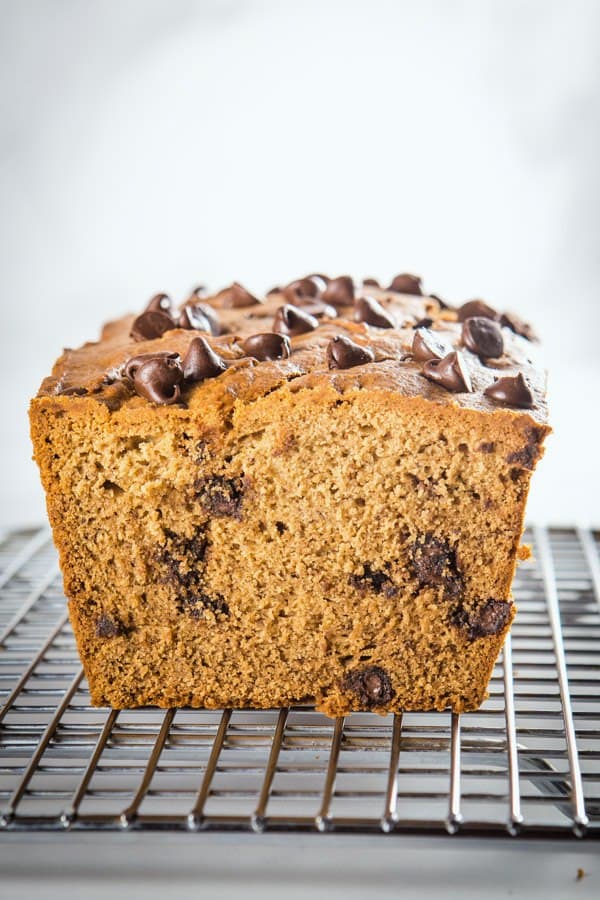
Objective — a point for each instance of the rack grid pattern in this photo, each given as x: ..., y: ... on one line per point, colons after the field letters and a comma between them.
x: 527, y: 763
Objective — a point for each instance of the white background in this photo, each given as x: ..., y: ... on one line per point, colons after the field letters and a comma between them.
x: 149, y: 145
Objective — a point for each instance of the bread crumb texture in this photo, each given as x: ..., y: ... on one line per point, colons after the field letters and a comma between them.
x: 302, y: 538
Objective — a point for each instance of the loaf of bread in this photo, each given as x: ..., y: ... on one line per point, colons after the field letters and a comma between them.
x: 313, y: 497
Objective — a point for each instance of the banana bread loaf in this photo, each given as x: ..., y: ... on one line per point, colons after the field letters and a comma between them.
x: 313, y: 497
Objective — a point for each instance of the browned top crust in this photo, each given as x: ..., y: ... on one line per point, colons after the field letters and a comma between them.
x: 330, y: 309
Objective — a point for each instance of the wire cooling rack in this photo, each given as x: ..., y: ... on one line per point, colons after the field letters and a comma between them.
x: 528, y: 762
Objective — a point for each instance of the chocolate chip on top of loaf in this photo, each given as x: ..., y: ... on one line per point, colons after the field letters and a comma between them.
x: 315, y: 494
x: 302, y: 331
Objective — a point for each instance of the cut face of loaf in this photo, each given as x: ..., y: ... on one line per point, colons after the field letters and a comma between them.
x: 289, y: 531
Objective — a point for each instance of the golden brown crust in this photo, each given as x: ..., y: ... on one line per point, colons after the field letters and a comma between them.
x: 289, y: 531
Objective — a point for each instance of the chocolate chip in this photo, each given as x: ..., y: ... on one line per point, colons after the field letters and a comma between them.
x: 488, y: 619
x: 151, y: 325
x: 427, y: 346
x: 423, y: 323
x: 291, y: 320
x: 406, y: 284
x: 526, y: 457
x: 235, y: 296
x: 267, y: 346
x: 372, y: 685
x: 483, y: 337
x: 321, y: 280
x: 129, y: 369
x: 184, y: 320
x: 159, y: 303
x: 281, y: 527
x: 367, y: 309
x: 487, y: 447
x: 159, y: 380
x: 108, y: 628
x: 197, y: 603
x: 70, y: 391
x: 373, y: 580
x: 370, y: 282
x: 181, y: 561
x: 339, y: 291
x: 190, y: 549
x: 210, y: 314
x: 450, y: 372
x: 201, y: 361
x: 476, y: 308
x: 434, y: 564
x: 315, y: 307
x: 193, y: 318
x: 518, y: 326
x: 511, y: 390
x: 342, y: 353
x: 220, y: 496
x: 303, y: 287
x: 305, y: 293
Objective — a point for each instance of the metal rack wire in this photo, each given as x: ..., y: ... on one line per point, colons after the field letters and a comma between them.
x: 527, y: 763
